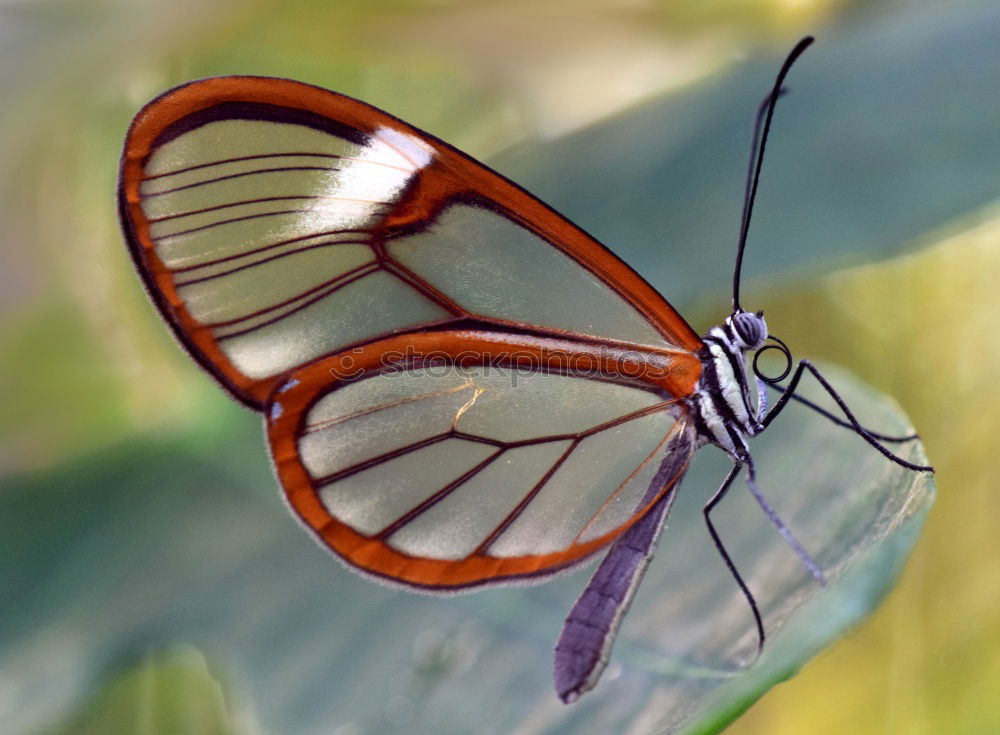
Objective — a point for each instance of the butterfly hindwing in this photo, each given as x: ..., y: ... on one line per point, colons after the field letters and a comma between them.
x: 479, y: 463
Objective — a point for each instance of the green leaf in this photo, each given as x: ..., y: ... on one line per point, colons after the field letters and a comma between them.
x: 164, y: 541
x: 167, y: 693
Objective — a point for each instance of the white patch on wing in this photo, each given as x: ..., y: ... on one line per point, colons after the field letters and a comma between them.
x: 408, y: 150
x: 372, y: 179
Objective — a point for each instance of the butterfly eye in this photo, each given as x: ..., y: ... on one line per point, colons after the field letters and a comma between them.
x: 750, y: 329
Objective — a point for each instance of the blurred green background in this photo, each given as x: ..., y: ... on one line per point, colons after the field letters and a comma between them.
x: 876, y: 245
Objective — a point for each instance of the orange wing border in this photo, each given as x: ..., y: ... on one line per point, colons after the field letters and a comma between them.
x: 670, y: 372
x: 450, y: 176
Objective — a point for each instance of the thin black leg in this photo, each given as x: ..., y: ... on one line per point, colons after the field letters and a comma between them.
x: 858, y: 428
x: 840, y: 422
x: 709, y: 506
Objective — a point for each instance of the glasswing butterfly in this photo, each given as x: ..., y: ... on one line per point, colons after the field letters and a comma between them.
x: 460, y: 387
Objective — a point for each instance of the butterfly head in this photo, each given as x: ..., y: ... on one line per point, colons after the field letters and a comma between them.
x: 748, y: 328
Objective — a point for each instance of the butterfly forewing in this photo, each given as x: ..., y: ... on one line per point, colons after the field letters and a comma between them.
x: 446, y: 470
x: 276, y: 223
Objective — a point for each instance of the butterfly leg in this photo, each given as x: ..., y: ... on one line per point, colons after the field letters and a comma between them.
x: 789, y: 392
x: 776, y: 521
x: 772, y: 515
x: 720, y: 547
x: 846, y: 424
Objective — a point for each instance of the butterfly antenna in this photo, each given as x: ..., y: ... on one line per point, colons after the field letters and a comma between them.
x: 765, y: 111
x: 754, y: 145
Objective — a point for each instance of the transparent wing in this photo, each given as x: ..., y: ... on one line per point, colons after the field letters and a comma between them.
x: 441, y: 471
x: 275, y: 223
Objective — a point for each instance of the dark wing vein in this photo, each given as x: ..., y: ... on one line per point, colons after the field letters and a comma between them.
x: 502, y: 446
x: 269, y: 246
x: 294, y: 251
x: 293, y: 154
x: 321, y: 292
x: 227, y: 177
x: 160, y: 239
